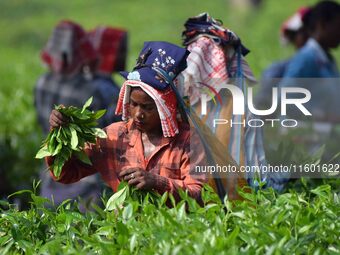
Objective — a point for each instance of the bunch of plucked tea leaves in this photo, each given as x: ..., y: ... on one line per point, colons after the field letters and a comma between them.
x: 68, y: 140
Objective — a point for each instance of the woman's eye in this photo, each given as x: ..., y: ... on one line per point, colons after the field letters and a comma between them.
x: 148, y: 107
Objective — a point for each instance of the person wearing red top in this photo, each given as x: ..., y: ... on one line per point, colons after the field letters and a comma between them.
x: 150, y: 148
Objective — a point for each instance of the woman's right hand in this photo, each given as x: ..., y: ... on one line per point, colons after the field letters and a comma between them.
x: 57, y: 119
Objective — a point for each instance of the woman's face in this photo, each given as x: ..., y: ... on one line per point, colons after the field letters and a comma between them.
x: 144, y: 112
x: 331, y: 33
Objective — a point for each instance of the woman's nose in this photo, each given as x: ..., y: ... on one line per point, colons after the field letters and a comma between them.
x: 139, y: 113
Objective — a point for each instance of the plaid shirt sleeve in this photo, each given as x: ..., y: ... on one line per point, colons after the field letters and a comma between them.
x: 173, y: 164
x: 72, y: 171
x: 103, y: 156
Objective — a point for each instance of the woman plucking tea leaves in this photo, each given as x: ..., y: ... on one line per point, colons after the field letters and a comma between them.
x: 150, y: 149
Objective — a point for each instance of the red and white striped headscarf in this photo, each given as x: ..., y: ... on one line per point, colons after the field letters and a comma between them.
x: 111, y: 46
x: 293, y: 23
x: 165, y: 101
x: 68, y: 40
x: 207, y: 67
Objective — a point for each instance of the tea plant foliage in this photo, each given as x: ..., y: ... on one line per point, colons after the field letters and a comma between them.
x: 299, y: 222
x: 68, y: 140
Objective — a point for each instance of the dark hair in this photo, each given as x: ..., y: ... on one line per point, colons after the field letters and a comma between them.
x: 290, y: 34
x: 135, y: 88
x: 324, y: 11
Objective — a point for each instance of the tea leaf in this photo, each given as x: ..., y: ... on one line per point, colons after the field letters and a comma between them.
x: 87, y: 104
x: 117, y: 199
x: 42, y: 153
x: 74, y: 138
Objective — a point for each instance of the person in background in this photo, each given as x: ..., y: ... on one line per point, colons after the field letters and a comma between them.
x: 150, y: 149
x: 293, y: 32
x: 111, y: 47
x: 314, y: 68
x: 314, y: 59
x: 217, y: 59
x: 67, y: 53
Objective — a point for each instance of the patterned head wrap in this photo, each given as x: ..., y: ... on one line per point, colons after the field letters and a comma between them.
x: 165, y: 101
x: 68, y: 48
x: 210, y: 65
x: 203, y: 24
x: 158, y: 64
x: 111, y: 46
x: 294, y: 23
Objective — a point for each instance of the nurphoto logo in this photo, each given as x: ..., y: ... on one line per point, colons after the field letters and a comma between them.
x: 239, y: 108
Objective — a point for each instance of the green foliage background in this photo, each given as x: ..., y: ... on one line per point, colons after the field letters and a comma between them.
x: 304, y: 221
x: 26, y: 25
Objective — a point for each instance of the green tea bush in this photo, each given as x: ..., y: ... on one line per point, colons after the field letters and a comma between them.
x: 263, y: 223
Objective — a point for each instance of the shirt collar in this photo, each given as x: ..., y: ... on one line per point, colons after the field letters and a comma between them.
x: 135, y: 134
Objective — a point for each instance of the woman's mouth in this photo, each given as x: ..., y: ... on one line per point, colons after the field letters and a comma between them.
x: 139, y: 124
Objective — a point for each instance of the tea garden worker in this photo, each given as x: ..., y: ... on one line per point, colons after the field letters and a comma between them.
x: 150, y: 149
x: 66, y: 54
x: 217, y: 59
x: 295, y: 33
x: 314, y: 68
x: 314, y: 59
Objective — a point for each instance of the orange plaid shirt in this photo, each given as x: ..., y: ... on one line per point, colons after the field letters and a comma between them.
x: 174, y: 160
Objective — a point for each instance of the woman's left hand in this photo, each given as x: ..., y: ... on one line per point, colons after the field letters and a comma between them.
x: 139, y: 178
